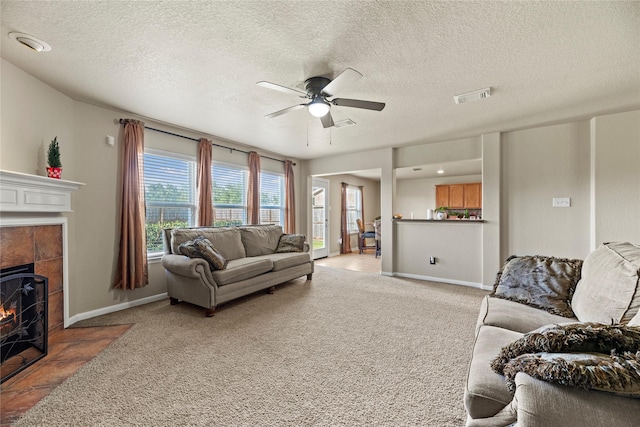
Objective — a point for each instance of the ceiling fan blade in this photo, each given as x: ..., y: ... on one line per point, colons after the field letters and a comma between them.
x: 286, y: 110
x: 327, y: 120
x: 358, y: 103
x: 345, y: 78
x: 284, y: 89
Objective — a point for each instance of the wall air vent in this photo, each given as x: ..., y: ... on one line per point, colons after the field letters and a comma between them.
x: 472, y: 96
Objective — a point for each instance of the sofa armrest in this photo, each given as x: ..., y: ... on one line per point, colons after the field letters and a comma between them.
x: 194, y: 268
x: 540, y: 403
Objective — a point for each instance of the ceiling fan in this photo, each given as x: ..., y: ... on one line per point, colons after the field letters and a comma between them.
x: 319, y: 90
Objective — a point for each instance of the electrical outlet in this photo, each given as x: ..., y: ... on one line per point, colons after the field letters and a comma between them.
x: 432, y: 260
x: 561, y: 202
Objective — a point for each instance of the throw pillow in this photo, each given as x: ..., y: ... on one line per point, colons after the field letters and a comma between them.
x: 619, y: 374
x: 571, y: 337
x: 188, y: 249
x: 210, y: 254
x: 542, y: 282
x: 291, y: 243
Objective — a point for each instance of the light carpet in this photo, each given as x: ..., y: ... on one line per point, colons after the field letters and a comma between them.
x: 345, y: 349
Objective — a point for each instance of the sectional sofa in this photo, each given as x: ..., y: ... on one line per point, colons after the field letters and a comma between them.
x: 558, y: 343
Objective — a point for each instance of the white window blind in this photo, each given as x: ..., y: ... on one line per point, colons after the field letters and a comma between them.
x: 354, y: 209
x: 229, y: 194
x: 271, y: 198
x: 169, y: 188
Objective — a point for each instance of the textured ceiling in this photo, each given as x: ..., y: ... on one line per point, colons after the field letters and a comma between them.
x: 196, y: 64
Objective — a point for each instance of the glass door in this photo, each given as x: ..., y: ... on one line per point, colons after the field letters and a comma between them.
x: 320, y: 209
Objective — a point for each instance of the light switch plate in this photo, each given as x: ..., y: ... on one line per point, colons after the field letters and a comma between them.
x: 561, y: 202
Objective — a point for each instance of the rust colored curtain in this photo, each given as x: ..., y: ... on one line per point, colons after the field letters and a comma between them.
x: 253, y: 192
x: 205, y: 191
x: 132, y: 258
x: 346, y: 237
x: 289, y: 199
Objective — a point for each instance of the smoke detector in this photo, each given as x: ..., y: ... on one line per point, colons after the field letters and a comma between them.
x: 472, y: 96
x: 31, y: 42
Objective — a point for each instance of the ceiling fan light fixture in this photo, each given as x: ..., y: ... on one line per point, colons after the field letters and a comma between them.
x: 319, y: 107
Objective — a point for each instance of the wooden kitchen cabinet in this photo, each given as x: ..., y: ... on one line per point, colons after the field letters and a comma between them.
x: 473, y: 196
x: 459, y: 196
x: 442, y: 196
x: 456, y: 196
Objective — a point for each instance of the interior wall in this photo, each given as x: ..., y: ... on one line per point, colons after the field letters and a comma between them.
x: 538, y: 165
x: 418, y: 195
x: 28, y: 127
x: 615, y: 168
x: 439, y: 152
x: 37, y: 114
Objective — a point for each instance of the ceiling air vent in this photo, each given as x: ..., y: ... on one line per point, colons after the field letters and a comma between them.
x: 472, y: 96
x: 343, y: 123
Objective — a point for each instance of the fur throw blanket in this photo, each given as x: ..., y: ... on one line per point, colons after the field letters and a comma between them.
x: 587, y: 355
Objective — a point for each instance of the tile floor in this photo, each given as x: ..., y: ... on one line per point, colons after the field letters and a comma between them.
x: 366, y: 262
x: 69, y: 349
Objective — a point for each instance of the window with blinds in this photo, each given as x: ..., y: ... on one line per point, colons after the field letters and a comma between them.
x: 271, y: 198
x: 229, y: 194
x: 169, y: 189
x: 354, y: 209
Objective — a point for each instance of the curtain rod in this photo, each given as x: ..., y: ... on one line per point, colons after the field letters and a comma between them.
x: 213, y: 143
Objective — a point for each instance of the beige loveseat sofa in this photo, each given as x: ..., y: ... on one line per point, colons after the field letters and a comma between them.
x: 253, y: 264
x: 600, y: 295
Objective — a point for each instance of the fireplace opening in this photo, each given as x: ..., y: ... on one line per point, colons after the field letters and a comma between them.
x: 23, y: 319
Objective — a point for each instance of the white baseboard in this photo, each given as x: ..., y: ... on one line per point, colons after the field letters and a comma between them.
x: 440, y: 279
x: 334, y: 254
x: 114, y: 308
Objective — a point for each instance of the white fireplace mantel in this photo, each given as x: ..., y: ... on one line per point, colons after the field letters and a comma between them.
x: 21, y: 192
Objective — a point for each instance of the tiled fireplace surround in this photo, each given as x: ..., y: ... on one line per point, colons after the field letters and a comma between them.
x: 41, y: 245
x: 33, y: 229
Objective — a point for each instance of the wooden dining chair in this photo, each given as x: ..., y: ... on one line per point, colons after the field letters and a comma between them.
x: 362, y: 235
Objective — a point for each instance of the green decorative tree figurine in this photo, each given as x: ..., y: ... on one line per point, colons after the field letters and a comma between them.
x: 53, y: 158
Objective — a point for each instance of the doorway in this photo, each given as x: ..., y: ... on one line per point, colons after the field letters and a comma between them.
x: 320, y: 212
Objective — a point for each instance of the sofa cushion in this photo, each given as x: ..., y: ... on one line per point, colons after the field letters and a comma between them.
x: 291, y: 243
x: 635, y: 321
x: 486, y: 393
x: 609, y: 289
x: 614, y: 373
x: 543, y: 282
x: 286, y: 260
x: 241, y: 269
x: 571, y: 337
x: 226, y: 240
x: 260, y: 239
x: 515, y: 316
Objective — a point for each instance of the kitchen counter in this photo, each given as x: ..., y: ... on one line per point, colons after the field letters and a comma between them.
x: 456, y: 249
